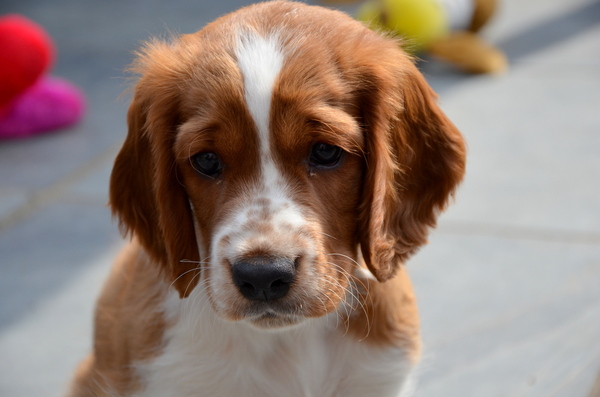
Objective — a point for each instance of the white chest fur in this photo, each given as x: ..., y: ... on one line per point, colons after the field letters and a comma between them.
x: 205, y: 356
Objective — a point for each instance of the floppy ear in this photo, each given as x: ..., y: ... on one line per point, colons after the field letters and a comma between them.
x: 145, y: 194
x: 415, y: 160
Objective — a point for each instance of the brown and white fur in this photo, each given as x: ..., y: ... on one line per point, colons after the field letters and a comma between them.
x: 261, y: 96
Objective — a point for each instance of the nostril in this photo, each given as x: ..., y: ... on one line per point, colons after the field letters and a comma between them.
x: 263, y: 278
x: 247, y: 289
x: 278, y: 283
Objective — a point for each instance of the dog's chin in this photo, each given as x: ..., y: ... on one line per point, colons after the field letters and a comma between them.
x: 270, y: 321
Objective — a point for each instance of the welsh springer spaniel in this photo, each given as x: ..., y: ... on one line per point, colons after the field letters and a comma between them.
x: 281, y: 165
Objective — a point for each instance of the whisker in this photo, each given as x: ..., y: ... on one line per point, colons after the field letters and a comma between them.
x: 199, y: 300
x: 184, y: 305
x: 343, y: 270
x: 346, y: 289
x: 188, y: 310
x: 346, y: 305
x: 349, y: 277
x: 354, y: 292
x: 328, y: 235
x: 347, y: 257
x: 325, y: 306
x: 197, y: 268
x: 205, y: 262
x: 335, y: 283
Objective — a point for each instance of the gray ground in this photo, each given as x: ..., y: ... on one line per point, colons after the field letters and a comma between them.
x: 509, y: 287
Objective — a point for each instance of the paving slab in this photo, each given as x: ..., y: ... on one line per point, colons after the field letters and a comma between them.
x: 51, y: 337
x: 47, y: 251
x: 505, y: 316
x: 530, y: 164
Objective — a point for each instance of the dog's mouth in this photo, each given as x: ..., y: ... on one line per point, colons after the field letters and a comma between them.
x: 270, y: 320
x: 269, y: 317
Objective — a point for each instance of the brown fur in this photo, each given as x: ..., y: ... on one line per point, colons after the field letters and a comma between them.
x: 129, y: 326
x: 387, y: 314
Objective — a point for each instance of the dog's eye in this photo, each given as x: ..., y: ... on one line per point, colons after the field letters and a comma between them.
x: 207, y: 163
x: 325, y: 155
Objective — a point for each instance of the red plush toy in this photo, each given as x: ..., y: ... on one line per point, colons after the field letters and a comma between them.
x: 30, y: 102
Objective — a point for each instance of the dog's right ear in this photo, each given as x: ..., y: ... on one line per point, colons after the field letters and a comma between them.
x: 132, y: 186
x: 145, y: 192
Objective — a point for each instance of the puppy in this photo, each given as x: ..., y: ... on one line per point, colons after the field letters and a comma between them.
x: 281, y: 165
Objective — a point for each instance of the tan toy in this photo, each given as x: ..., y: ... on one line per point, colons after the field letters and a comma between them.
x: 445, y: 29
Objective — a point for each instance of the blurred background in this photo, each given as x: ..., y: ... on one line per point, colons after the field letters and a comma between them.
x: 509, y: 288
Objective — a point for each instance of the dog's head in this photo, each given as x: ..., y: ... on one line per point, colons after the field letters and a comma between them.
x: 271, y: 149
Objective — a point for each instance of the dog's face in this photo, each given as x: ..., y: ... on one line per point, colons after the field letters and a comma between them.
x: 267, y: 149
x: 274, y: 174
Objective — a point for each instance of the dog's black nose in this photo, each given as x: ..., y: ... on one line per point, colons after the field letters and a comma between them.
x: 264, y: 278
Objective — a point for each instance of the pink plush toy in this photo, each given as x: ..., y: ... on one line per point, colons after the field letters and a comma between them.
x: 30, y: 102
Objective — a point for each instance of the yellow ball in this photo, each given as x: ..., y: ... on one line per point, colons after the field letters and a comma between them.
x: 419, y: 22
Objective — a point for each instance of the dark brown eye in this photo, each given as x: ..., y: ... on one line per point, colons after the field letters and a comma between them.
x: 208, y: 164
x: 325, y: 155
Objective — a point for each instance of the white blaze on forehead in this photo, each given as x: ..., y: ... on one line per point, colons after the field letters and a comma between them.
x: 260, y: 60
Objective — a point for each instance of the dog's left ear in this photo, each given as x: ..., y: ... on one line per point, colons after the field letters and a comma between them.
x: 415, y: 159
x: 145, y: 192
